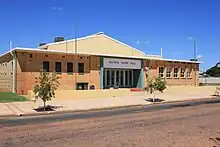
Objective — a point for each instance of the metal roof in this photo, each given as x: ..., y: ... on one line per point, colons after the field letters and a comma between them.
x: 104, y: 55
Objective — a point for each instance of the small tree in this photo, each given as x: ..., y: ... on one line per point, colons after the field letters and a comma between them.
x: 156, y: 84
x: 45, y: 86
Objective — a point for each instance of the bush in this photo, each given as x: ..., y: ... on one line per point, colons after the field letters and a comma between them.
x: 156, y: 84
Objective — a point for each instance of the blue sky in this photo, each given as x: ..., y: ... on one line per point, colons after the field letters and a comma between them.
x: 144, y: 24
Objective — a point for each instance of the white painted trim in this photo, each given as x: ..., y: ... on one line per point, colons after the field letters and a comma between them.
x: 6, y: 53
x: 65, y: 41
x: 106, y: 55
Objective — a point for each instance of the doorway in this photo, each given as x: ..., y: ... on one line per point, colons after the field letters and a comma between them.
x: 121, y: 78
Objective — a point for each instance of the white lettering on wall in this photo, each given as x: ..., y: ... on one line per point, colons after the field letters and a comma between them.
x: 122, y: 63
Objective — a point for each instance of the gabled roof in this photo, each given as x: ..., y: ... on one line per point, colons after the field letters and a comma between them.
x: 95, y: 35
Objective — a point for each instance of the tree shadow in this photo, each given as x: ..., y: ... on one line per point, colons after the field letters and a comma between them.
x: 47, y: 108
x: 154, y: 100
x: 216, y: 95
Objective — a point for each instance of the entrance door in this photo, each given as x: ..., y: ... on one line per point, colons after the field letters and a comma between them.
x: 117, y: 78
x: 113, y: 78
x: 121, y: 78
x: 107, y: 79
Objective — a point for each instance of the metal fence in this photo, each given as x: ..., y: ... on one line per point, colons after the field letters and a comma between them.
x: 209, y: 80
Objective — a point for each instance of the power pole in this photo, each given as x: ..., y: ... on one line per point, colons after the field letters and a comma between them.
x: 194, y: 49
x: 75, y: 47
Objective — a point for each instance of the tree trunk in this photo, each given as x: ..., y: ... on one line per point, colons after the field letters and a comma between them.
x: 44, y: 105
x: 153, y: 96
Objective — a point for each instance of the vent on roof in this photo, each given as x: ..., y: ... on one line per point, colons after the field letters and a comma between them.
x: 99, y: 33
x: 58, y: 39
x: 41, y: 44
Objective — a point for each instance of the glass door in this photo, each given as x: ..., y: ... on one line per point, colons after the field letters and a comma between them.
x: 107, y: 79
x: 121, y: 78
x: 117, y: 78
x: 112, y: 78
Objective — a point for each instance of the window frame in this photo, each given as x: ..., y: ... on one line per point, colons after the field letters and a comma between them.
x: 189, y: 74
x: 183, y: 74
x: 176, y: 74
x: 58, y: 72
x: 48, y: 66
x: 159, y: 74
x: 69, y: 72
x: 170, y: 73
x: 79, y: 71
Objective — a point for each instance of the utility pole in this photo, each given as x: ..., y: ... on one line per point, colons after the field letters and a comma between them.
x: 75, y: 47
x: 194, y: 58
x: 194, y: 49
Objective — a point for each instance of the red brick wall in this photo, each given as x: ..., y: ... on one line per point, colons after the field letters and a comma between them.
x: 154, y: 69
x: 28, y: 68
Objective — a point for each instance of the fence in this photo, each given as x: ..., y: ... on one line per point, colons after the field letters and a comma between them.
x: 209, y: 80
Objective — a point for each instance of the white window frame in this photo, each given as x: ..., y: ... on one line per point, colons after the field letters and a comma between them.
x: 170, y: 73
x: 189, y: 73
x: 161, y: 75
x: 176, y: 75
x: 183, y: 74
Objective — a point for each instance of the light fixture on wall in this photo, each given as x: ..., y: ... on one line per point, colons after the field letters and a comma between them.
x: 145, y: 68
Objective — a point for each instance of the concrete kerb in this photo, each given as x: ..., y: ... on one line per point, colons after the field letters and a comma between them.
x: 152, y: 106
x: 68, y: 111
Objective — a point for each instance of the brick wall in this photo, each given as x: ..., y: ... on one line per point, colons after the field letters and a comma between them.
x: 6, y: 76
x: 28, y: 68
x: 154, y: 70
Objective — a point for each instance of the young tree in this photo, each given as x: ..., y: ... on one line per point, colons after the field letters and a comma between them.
x: 156, y: 84
x: 45, y: 86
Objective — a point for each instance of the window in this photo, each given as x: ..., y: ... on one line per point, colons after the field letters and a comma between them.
x: 81, y: 67
x: 161, y: 72
x: 189, y: 71
x: 82, y: 86
x: 168, y: 72
x: 176, y: 71
x: 69, y: 67
x: 31, y: 55
x: 58, y: 67
x: 46, y: 66
x: 182, y: 72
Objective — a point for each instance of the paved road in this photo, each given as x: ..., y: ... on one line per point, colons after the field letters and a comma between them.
x: 103, y: 113
x: 178, y: 127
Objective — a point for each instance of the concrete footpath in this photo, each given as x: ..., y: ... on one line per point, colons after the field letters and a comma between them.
x: 139, y: 98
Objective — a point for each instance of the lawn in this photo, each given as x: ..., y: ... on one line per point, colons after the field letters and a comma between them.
x: 10, y: 97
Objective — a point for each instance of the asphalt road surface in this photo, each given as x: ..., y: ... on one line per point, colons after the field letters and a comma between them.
x: 197, y: 126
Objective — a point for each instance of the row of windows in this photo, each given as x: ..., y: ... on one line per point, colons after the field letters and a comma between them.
x: 184, y: 72
x: 3, y: 73
x: 58, y: 67
x: 3, y: 64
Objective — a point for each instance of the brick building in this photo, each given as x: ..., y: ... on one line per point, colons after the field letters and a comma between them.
x: 93, y: 62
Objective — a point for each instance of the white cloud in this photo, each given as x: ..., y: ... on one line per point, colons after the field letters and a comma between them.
x: 177, y: 53
x: 60, y: 9
x: 147, y: 42
x: 57, y: 8
x: 190, y: 38
x: 199, y: 56
x: 138, y: 42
